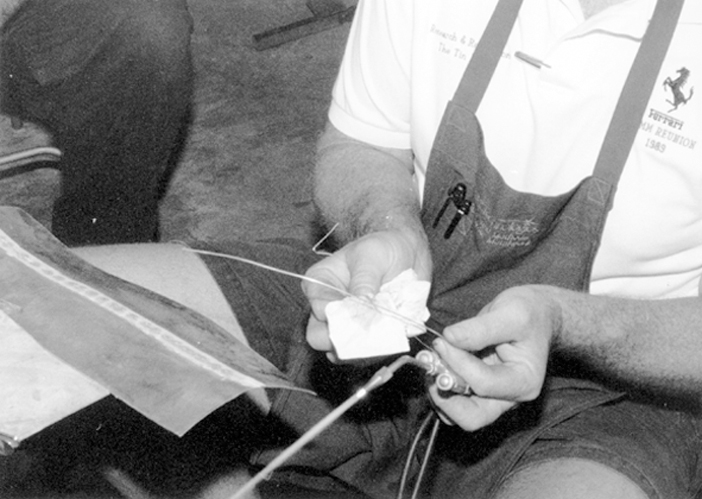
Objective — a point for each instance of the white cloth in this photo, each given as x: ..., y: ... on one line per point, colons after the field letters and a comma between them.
x: 544, y: 127
x: 382, y: 325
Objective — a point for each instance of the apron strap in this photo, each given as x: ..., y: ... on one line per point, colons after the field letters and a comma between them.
x: 481, y: 67
x: 637, y: 91
x: 632, y: 100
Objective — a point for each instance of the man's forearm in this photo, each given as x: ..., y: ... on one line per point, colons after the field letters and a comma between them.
x: 360, y: 188
x: 648, y: 344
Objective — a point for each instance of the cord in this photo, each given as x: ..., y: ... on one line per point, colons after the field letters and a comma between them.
x: 427, y: 361
x: 427, y: 455
x: 382, y: 376
x: 410, y: 455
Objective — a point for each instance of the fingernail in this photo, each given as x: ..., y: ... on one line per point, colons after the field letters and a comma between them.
x: 439, y: 345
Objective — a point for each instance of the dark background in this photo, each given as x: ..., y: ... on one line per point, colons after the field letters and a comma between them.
x: 244, y: 174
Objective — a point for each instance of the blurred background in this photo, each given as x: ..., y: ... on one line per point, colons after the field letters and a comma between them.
x: 244, y: 171
x: 244, y: 174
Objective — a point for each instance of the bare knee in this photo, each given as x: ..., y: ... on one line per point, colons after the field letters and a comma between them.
x: 570, y: 478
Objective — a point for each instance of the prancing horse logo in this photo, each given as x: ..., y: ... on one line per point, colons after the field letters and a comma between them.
x: 676, y: 85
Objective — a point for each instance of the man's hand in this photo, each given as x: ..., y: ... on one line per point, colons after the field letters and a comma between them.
x: 501, y: 354
x: 360, y: 268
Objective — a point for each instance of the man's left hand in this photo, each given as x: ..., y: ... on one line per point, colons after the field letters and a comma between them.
x: 501, y: 354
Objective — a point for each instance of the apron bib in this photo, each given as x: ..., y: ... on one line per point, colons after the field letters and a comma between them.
x: 486, y: 237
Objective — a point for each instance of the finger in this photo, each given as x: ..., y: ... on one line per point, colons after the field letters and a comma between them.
x: 323, y: 285
x: 445, y: 418
x: 365, y: 279
x: 487, y: 329
x: 318, y: 335
x: 512, y: 378
x: 470, y: 413
x: 374, y: 260
x: 326, y: 278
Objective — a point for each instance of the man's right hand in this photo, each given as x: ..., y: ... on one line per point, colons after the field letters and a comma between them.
x: 360, y: 268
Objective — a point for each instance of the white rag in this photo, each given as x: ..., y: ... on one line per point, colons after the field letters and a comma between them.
x: 362, y: 327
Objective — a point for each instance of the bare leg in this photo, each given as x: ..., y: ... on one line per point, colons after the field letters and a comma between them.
x: 174, y: 272
x: 167, y: 269
x: 570, y: 479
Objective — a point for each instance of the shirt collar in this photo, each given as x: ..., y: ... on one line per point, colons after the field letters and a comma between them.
x: 629, y: 18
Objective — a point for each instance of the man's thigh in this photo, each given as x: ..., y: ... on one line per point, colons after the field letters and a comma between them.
x: 170, y: 270
x: 570, y: 478
x: 624, y: 449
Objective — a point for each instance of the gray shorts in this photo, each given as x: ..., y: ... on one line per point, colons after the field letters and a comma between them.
x: 660, y: 449
x: 657, y: 449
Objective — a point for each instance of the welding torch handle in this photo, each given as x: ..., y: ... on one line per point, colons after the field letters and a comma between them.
x: 451, y: 382
x: 446, y: 379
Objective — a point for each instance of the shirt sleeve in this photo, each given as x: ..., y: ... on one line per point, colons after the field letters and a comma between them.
x: 371, y: 96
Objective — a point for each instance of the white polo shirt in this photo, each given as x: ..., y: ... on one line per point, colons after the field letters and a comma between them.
x: 544, y: 124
